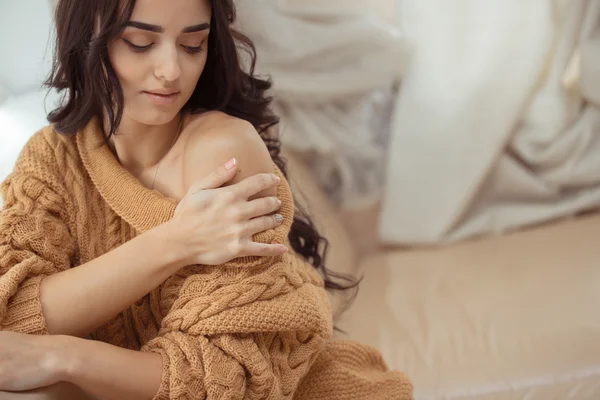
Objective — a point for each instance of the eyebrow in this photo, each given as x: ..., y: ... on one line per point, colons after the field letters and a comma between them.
x: 160, y: 29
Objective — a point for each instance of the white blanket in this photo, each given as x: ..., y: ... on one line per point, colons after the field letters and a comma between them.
x: 333, y: 72
x: 497, y: 125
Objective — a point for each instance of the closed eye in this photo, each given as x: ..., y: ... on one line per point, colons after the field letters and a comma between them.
x: 136, y: 48
x: 192, y: 49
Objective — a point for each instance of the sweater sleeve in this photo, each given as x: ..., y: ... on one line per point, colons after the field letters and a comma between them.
x: 34, y: 239
x: 234, y: 335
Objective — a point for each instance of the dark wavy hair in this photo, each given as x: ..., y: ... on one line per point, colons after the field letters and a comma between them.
x: 82, y: 71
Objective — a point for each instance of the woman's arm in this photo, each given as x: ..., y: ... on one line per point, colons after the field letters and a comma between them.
x: 79, y: 300
x: 110, y: 372
x: 39, y: 292
x: 60, y: 391
x: 65, y: 367
x: 76, y: 301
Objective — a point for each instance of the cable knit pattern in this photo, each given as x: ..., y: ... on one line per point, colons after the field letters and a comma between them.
x: 253, y: 328
x: 34, y: 241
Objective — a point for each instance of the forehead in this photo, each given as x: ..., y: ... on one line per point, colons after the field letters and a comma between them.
x: 172, y: 13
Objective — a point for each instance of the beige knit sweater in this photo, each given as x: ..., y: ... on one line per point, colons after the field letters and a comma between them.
x: 254, y: 328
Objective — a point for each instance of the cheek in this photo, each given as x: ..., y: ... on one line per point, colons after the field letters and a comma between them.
x: 126, y: 66
x: 194, y: 71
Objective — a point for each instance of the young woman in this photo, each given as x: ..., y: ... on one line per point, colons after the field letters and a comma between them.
x: 153, y: 216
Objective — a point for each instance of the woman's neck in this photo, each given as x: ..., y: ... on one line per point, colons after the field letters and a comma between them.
x: 139, y: 147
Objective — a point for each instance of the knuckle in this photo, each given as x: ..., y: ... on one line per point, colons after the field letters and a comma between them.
x: 237, y: 247
x: 227, y: 196
x: 236, y: 214
x: 264, y: 180
x: 262, y: 250
x: 267, y: 203
x: 267, y: 223
x: 266, y: 250
x: 233, y: 237
x: 237, y: 233
x: 270, y: 206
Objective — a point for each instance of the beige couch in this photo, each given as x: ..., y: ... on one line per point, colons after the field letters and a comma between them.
x: 511, y: 317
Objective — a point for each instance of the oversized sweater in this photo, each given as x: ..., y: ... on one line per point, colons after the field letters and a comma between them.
x: 253, y: 328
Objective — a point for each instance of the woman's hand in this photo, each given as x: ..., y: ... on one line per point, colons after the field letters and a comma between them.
x: 29, y: 362
x: 216, y: 223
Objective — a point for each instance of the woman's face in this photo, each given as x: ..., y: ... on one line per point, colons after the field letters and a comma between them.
x: 160, y: 57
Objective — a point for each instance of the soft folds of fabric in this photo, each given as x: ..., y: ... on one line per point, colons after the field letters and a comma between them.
x: 254, y: 328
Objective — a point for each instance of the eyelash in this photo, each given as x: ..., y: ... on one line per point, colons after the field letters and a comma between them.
x: 142, y: 49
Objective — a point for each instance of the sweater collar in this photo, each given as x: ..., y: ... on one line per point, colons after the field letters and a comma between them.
x: 139, y: 206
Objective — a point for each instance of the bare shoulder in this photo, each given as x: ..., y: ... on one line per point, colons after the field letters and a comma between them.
x: 213, y: 138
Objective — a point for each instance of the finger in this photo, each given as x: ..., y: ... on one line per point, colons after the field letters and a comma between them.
x: 217, y: 178
x: 255, y: 184
x: 262, y: 224
x: 264, y: 250
x: 260, y: 207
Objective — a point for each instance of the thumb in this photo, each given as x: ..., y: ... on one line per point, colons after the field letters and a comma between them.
x: 217, y: 178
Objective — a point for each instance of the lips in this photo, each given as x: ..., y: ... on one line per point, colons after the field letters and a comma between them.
x: 161, y: 93
x: 162, y: 98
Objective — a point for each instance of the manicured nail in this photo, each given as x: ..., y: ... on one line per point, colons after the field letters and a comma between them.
x: 279, y: 218
x: 230, y: 164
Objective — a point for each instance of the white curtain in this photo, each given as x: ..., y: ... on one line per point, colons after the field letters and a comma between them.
x: 334, y: 73
x: 497, y: 125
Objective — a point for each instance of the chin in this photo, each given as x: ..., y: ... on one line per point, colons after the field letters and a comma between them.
x: 157, y: 117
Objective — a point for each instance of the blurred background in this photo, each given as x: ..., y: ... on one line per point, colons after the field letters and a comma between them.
x: 450, y: 152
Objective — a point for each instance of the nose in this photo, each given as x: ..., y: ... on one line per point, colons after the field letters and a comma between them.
x: 168, y: 67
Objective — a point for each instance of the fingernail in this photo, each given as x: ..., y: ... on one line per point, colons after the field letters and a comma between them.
x: 279, y: 218
x: 231, y: 163
x: 284, y: 249
x: 278, y: 179
x: 279, y: 202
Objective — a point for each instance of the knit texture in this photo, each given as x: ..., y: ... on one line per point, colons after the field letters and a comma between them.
x: 253, y: 328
